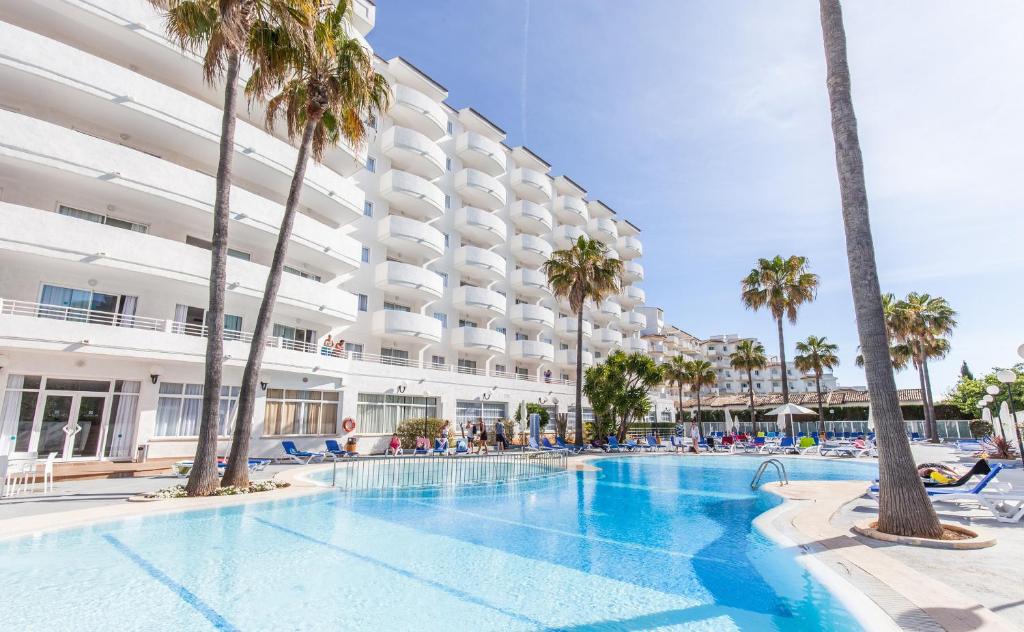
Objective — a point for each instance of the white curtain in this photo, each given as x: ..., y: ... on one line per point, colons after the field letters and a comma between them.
x: 10, y: 412
x: 128, y: 305
x: 122, y: 425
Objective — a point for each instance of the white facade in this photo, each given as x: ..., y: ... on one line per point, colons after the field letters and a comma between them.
x: 421, y: 251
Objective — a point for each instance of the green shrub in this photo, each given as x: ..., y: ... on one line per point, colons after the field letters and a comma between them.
x: 981, y: 428
x: 409, y: 429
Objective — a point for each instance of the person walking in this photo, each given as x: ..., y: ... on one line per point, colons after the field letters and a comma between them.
x: 499, y: 435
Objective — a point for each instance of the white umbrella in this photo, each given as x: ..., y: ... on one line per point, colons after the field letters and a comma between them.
x: 986, y: 415
x: 1006, y: 423
x: 789, y: 411
x: 728, y: 419
x: 871, y: 419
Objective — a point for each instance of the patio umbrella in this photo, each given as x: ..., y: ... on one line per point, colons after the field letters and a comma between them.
x: 791, y: 412
x: 871, y: 419
x: 1006, y: 423
x: 728, y: 419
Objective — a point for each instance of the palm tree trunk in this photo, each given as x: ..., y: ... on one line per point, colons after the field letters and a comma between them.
x: 202, y: 479
x: 578, y: 440
x: 238, y: 461
x: 753, y: 414
x: 933, y: 424
x: 821, y: 406
x: 700, y: 425
x: 924, y: 397
x: 904, y: 508
x: 782, y: 359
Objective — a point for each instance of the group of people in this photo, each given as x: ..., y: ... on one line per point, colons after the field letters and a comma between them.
x: 475, y: 433
x: 332, y: 348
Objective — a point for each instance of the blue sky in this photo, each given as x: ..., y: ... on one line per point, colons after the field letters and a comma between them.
x: 706, y: 123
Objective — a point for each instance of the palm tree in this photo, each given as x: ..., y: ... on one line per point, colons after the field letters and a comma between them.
x: 225, y: 32
x: 675, y: 374
x: 698, y: 374
x: 749, y: 356
x: 580, y: 273
x: 903, y: 508
x: 920, y: 321
x: 329, y: 88
x: 781, y: 285
x: 814, y: 356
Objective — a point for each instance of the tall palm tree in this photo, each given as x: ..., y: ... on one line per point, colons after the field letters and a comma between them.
x: 580, y: 273
x: 699, y: 374
x: 920, y: 321
x: 814, y: 356
x: 903, y: 508
x: 674, y: 372
x: 782, y: 286
x: 749, y: 356
x: 224, y: 32
x: 329, y: 88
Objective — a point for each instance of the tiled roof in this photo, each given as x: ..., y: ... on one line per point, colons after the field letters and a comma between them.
x: 838, y: 397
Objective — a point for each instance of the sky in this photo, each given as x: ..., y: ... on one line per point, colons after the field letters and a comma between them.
x: 706, y: 124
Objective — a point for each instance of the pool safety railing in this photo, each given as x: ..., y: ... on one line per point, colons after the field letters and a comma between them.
x: 780, y: 471
x: 409, y: 472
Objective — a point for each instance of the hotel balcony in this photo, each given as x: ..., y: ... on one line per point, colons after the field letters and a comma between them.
x: 530, y: 316
x: 479, y: 263
x: 531, y: 351
x: 479, y: 301
x: 478, y: 339
x: 631, y: 296
x: 570, y: 209
x: 604, y: 230
x: 632, y: 272
x: 32, y: 238
x: 565, y: 236
x: 408, y: 281
x: 531, y: 185
x: 479, y: 152
x: 406, y: 326
x: 480, y: 226
x: 412, y: 195
x: 531, y: 218
x: 529, y: 282
x: 565, y: 328
x: 632, y: 321
x: 411, y: 151
x: 629, y: 247
x: 566, y: 358
x: 635, y: 345
x: 410, y: 236
x: 530, y: 250
x: 606, y: 338
x: 607, y: 312
x: 480, y: 190
x: 46, y: 158
x: 415, y: 110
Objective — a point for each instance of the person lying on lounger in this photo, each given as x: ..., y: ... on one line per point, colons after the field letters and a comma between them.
x: 939, y: 475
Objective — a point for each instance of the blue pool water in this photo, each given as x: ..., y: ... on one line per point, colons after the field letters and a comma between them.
x: 645, y: 543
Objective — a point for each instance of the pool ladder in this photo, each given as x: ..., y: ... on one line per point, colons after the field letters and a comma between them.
x: 780, y: 471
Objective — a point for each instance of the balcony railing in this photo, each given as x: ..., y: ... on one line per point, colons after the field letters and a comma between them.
x: 9, y: 307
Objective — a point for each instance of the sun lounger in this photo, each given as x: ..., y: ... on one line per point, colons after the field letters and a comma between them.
x: 546, y: 445
x: 613, y: 444
x: 980, y: 468
x: 302, y: 457
x: 422, y: 446
x: 956, y: 494
x: 335, y: 449
x: 532, y: 445
x: 560, y: 442
x: 440, y: 447
x: 1004, y: 506
x: 461, y: 447
x: 784, y: 446
x: 653, y: 443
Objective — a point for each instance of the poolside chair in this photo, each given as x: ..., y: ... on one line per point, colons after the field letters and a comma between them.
x: 545, y: 444
x: 654, y: 444
x: 784, y: 446
x: 441, y: 447
x: 461, y: 447
x: 939, y: 494
x: 837, y: 449
x: 560, y: 442
x: 531, y: 444
x: 808, y: 444
x: 422, y: 446
x: 1004, y: 506
x: 302, y: 457
x: 632, y: 446
x: 980, y: 468
x: 613, y: 444
x: 336, y: 450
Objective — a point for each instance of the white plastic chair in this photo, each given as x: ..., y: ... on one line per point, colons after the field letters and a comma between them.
x: 48, y: 472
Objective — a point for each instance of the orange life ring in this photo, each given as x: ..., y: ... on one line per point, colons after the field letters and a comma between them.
x: 349, y: 424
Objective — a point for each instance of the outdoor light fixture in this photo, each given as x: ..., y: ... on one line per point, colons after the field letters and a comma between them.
x: 264, y: 384
x: 989, y: 399
x: 154, y: 374
x: 486, y: 395
x: 992, y: 389
x: 401, y: 388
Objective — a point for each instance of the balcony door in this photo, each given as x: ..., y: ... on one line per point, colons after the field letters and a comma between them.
x: 71, y: 425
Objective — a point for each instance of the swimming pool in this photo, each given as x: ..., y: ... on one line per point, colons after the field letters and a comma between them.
x: 644, y: 543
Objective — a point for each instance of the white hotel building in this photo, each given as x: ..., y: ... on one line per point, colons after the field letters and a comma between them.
x: 422, y: 252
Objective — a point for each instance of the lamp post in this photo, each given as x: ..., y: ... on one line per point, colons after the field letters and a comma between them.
x: 1008, y: 377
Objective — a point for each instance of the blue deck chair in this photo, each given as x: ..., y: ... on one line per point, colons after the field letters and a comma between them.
x: 422, y: 446
x: 532, y: 445
x: 785, y: 446
x: 545, y: 444
x: 440, y: 447
x: 938, y: 494
x: 301, y: 457
x: 613, y: 444
x: 461, y: 447
x: 337, y: 450
x: 652, y: 443
x: 560, y: 442
x: 914, y: 436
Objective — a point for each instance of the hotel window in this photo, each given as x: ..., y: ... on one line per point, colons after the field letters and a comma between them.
x: 179, y: 409
x: 399, y: 357
x: 501, y: 330
x: 368, y: 209
x: 467, y: 412
x: 499, y: 369
x: 303, y: 274
x: 363, y: 300
x: 447, y: 240
x: 447, y: 201
x: 437, y: 361
x: 562, y: 346
x: 451, y: 127
x: 295, y: 337
x: 296, y: 412
x: 447, y: 164
x: 520, y: 336
x: 395, y: 307
x: 441, y: 316
x: 466, y: 323
x: 467, y: 366
x: 89, y: 216
x: 371, y: 164
x: 87, y: 306
x: 522, y: 372
x: 366, y: 255
x: 381, y: 414
x: 355, y: 350
x: 371, y: 121
x: 444, y: 278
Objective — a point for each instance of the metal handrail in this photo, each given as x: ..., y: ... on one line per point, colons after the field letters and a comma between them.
x: 780, y: 471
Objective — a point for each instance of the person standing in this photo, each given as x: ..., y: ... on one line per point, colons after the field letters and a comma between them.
x: 482, y: 445
x: 471, y: 438
x: 695, y: 437
x: 499, y: 435
x: 680, y: 433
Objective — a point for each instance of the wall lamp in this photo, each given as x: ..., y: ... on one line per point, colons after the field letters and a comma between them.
x: 263, y: 385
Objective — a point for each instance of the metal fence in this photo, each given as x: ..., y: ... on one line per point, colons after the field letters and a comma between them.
x: 408, y: 472
x: 947, y: 429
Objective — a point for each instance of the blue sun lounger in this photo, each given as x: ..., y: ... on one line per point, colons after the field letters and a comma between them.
x: 613, y: 444
x: 939, y: 494
x: 571, y: 448
x: 336, y: 450
x: 302, y: 457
